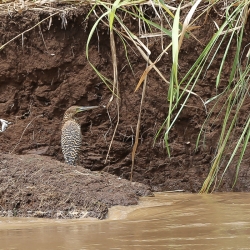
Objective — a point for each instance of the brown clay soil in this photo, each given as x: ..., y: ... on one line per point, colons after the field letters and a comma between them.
x: 45, y: 71
x: 34, y: 185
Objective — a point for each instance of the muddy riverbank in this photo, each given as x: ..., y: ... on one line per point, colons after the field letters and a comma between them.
x: 32, y: 185
x: 45, y: 71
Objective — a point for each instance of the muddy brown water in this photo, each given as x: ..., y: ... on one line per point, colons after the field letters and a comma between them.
x: 166, y: 221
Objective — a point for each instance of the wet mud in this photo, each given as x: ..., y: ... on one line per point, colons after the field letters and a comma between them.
x: 37, y: 186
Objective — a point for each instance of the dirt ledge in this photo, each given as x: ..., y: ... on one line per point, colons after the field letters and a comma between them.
x: 30, y: 187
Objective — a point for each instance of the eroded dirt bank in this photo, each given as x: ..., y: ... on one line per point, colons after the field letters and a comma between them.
x: 32, y: 185
x: 45, y: 71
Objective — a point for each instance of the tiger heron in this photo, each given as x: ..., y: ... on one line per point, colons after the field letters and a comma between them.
x: 71, y: 139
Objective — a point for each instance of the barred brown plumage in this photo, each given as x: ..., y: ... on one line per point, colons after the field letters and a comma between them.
x: 71, y: 139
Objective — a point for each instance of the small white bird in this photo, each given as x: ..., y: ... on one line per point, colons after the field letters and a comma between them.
x: 5, y: 124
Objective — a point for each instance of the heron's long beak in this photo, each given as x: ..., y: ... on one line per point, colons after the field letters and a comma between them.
x: 80, y: 109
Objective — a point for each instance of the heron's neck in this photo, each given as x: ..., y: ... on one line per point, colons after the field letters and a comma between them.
x: 68, y: 117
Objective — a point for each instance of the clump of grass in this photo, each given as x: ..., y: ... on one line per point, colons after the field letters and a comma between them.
x: 236, y: 92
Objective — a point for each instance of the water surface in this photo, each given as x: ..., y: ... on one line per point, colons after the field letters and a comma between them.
x: 166, y: 221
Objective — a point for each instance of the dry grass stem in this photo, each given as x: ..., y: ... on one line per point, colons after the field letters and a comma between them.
x: 24, y: 132
x: 21, y: 34
x: 138, y: 128
x: 115, y: 87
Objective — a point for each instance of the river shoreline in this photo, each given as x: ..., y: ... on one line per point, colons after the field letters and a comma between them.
x: 37, y: 186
